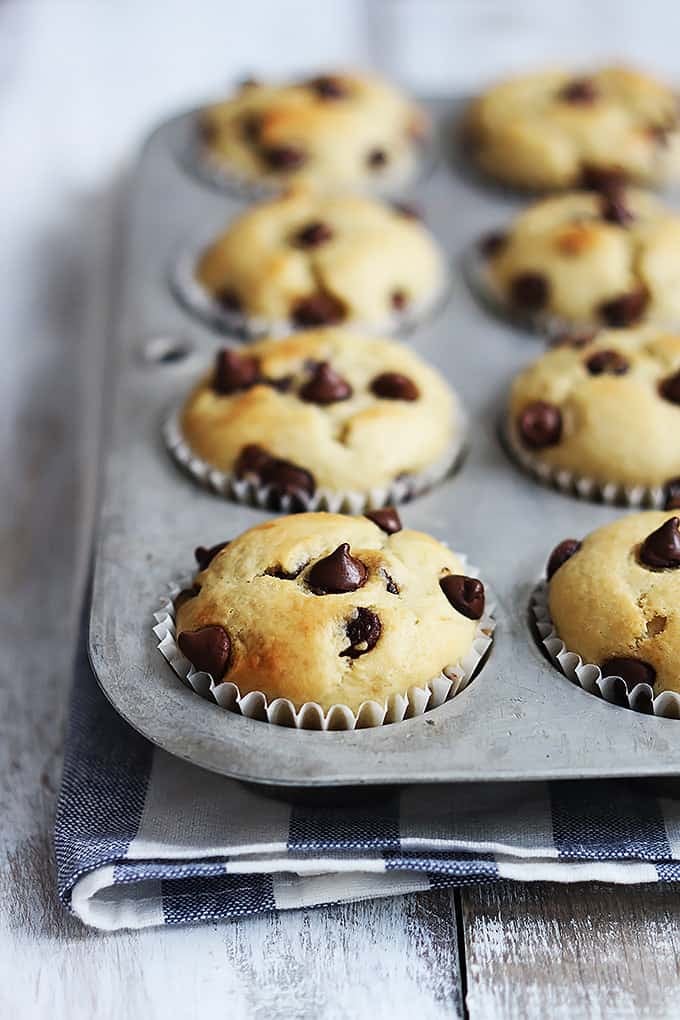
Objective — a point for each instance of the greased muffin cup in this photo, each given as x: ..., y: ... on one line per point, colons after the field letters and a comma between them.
x: 328, y: 605
x: 597, y: 417
x: 553, y: 128
x: 614, y: 596
x: 304, y: 260
x: 337, y: 131
x: 582, y: 260
x: 325, y: 419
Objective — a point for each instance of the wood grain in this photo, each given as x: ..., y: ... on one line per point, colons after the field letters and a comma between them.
x: 574, y: 951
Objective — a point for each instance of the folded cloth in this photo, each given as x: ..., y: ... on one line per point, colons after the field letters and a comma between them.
x: 144, y: 839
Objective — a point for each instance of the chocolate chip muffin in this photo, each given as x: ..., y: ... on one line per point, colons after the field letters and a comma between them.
x: 606, y: 410
x: 324, y: 411
x: 614, y: 599
x: 554, y: 129
x: 329, y: 609
x: 335, y: 131
x: 306, y: 260
x: 609, y: 258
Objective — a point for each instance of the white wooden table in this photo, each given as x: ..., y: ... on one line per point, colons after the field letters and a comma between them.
x: 78, y: 83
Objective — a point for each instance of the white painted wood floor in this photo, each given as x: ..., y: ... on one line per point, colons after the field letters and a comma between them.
x: 511, y: 951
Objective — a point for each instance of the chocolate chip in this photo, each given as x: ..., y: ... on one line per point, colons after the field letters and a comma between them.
x: 204, y: 557
x: 326, y: 386
x: 613, y: 207
x: 625, y: 310
x: 579, y: 90
x: 607, y: 363
x: 363, y: 632
x: 540, y: 424
x: 234, y: 372
x: 208, y: 649
x: 340, y: 572
x: 661, y: 549
x: 376, y: 159
x: 390, y: 584
x: 313, y: 234
x: 284, y: 575
x: 530, y: 291
x: 405, y: 209
x: 207, y: 131
x: 660, y: 133
x: 229, y: 300
x: 251, y: 127
x: 185, y: 595
x: 284, y: 157
x: 574, y: 338
x: 670, y: 388
x: 466, y: 594
x: 672, y: 494
x: 560, y: 554
x: 318, y: 310
x: 251, y: 461
x: 328, y: 87
x: 387, y: 519
x: 602, y: 178
x: 492, y: 244
x: 248, y: 83
x: 283, y: 477
x: 399, y: 300
x: 394, y: 386
x: 631, y: 671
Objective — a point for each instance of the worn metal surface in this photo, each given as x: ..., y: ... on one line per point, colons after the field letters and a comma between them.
x: 519, y: 719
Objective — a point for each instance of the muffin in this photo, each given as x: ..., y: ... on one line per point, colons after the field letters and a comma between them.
x: 553, y: 129
x: 330, y: 609
x: 304, y: 260
x: 322, y: 414
x: 588, y: 258
x: 334, y: 131
x: 607, y: 410
x: 614, y: 599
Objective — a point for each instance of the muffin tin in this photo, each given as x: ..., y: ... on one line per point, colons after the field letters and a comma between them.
x: 519, y: 719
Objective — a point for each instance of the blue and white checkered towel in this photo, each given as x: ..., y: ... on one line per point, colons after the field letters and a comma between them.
x: 145, y: 839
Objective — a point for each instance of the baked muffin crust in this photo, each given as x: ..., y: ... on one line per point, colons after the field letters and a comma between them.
x: 305, y: 260
x: 615, y: 609
x: 555, y: 129
x: 616, y: 404
x: 353, y: 411
x: 329, y: 609
x: 334, y: 131
x: 611, y: 259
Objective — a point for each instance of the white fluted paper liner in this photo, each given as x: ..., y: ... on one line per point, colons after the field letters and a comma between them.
x: 243, y: 490
x: 589, y: 676
x: 198, y: 300
x: 281, y: 712
x: 612, y: 493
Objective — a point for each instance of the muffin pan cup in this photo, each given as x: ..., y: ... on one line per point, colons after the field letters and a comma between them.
x: 588, y: 675
x: 521, y: 718
x: 242, y: 490
x: 413, y: 701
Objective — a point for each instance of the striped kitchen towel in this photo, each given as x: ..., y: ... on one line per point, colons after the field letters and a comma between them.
x: 144, y: 839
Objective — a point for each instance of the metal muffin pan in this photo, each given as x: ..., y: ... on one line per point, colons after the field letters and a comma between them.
x: 519, y: 719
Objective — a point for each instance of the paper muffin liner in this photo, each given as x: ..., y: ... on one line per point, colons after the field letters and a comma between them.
x: 202, y: 303
x: 581, y: 486
x: 416, y: 700
x: 589, y: 676
x: 243, y: 490
x: 195, y: 157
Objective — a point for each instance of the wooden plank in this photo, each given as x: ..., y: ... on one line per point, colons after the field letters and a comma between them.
x: 574, y: 951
